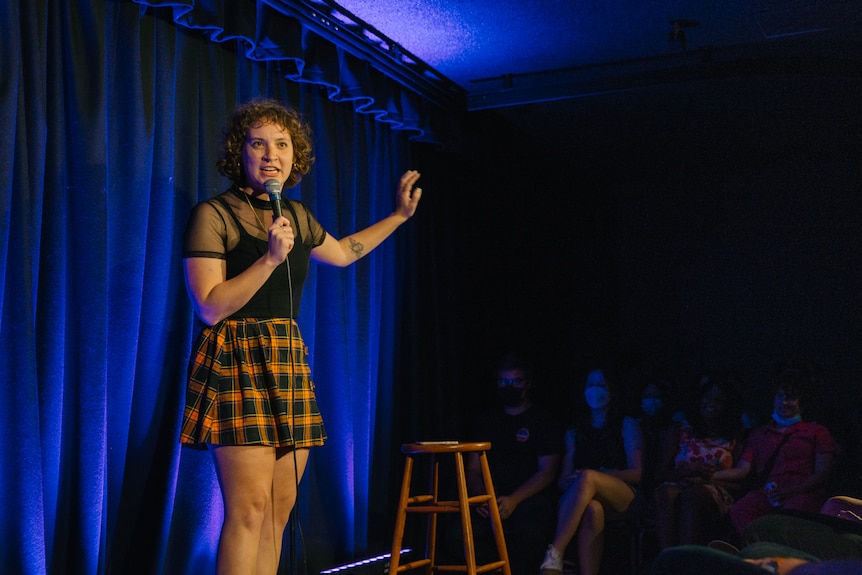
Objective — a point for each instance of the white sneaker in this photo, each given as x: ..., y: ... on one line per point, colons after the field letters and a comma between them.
x: 553, y: 563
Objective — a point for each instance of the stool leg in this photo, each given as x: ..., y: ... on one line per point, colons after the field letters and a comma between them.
x: 496, y: 520
x: 401, y: 516
x: 431, y: 534
x: 466, y: 522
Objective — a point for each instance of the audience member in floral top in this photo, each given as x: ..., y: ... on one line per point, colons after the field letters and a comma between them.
x: 689, y: 502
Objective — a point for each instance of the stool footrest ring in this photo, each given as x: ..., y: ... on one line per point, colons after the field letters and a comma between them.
x: 414, y: 565
x: 463, y: 568
x: 453, y: 508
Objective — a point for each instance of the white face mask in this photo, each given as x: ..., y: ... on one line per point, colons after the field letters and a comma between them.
x: 597, y: 397
x: 786, y: 421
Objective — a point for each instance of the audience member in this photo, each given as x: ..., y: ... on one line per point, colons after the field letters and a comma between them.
x: 689, y: 502
x: 655, y: 422
x: 601, y: 469
x: 789, y: 459
x: 526, y: 448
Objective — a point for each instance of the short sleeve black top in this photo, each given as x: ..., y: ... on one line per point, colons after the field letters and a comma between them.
x: 229, y: 227
x: 517, y: 441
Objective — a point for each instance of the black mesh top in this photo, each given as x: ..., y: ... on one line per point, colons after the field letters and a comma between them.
x: 225, y: 228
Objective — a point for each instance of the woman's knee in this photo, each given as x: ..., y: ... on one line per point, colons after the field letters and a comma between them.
x: 746, y: 510
x: 577, y: 489
x: 589, y: 483
x: 248, y: 509
x: 284, y: 503
x: 590, y: 477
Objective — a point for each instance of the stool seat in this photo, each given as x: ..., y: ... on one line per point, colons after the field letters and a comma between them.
x: 431, y: 504
x: 444, y: 447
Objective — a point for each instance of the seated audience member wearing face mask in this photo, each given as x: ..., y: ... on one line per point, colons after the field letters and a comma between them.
x: 655, y: 422
x: 601, y: 471
x: 526, y: 448
x: 790, y: 458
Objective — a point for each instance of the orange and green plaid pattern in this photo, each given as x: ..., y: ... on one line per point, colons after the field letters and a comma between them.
x: 250, y: 384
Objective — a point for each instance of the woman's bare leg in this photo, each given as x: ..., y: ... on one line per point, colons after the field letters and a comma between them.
x: 286, y: 477
x: 614, y: 494
x: 245, y: 473
x: 591, y: 539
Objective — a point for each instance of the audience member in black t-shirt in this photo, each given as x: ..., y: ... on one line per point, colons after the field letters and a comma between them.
x: 526, y: 447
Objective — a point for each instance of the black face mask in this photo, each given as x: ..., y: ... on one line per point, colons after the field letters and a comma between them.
x: 510, y: 395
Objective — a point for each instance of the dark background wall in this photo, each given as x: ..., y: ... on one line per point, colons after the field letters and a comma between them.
x: 711, y: 224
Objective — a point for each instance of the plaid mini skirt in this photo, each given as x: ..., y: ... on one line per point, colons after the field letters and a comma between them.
x: 250, y: 384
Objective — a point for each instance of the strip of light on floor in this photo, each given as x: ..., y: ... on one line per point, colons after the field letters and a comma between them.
x: 368, y: 561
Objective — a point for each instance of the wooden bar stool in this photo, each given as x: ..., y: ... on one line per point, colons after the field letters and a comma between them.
x: 430, y: 504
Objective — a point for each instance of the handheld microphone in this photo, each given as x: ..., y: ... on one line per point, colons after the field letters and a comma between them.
x: 273, y: 188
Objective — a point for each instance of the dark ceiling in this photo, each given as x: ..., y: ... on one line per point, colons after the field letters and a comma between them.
x: 507, y: 52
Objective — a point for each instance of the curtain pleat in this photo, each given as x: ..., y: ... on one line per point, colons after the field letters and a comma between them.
x: 265, y: 33
x: 113, y: 111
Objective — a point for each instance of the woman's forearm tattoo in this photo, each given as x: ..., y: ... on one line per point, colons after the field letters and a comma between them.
x: 356, y: 247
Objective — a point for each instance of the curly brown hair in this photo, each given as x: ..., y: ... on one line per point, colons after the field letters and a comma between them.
x: 254, y: 113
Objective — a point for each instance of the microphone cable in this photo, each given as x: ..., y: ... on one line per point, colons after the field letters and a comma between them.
x: 293, y: 519
x: 273, y: 188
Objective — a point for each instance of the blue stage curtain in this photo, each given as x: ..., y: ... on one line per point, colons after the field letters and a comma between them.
x: 112, y: 112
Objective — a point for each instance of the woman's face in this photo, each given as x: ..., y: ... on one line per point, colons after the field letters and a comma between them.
x: 712, y: 403
x: 267, y: 154
x: 786, y: 406
x: 651, y: 400
x: 596, y: 391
